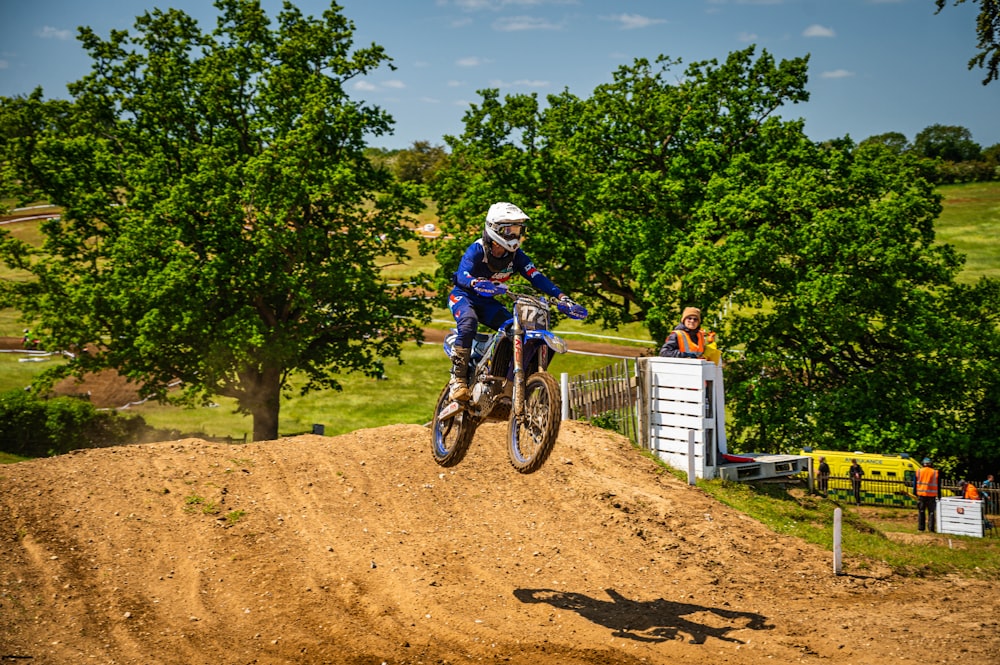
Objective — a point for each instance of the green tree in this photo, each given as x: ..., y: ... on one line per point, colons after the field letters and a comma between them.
x: 222, y: 225
x: 817, y: 263
x: 988, y: 34
x: 991, y: 155
x: 850, y: 321
x: 895, y: 141
x: 420, y: 163
x: 613, y: 182
x: 947, y: 142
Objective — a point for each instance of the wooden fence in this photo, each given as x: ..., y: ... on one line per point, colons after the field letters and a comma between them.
x: 607, y: 398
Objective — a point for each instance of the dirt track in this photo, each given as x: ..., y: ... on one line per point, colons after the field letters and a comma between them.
x: 359, y: 549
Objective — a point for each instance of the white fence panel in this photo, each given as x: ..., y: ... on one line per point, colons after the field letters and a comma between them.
x: 684, y: 396
x: 674, y: 394
x: 962, y: 517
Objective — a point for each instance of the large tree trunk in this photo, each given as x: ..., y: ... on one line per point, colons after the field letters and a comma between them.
x: 263, y: 401
x: 265, y: 420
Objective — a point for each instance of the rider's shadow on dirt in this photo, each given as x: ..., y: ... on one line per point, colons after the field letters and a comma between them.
x: 647, y: 621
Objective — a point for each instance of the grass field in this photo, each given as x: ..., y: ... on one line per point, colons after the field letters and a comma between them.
x: 406, y: 395
x: 971, y: 222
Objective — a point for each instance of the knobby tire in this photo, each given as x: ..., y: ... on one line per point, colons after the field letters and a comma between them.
x: 450, y: 438
x: 531, y: 437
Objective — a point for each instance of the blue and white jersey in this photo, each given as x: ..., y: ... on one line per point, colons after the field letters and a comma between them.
x: 474, y: 266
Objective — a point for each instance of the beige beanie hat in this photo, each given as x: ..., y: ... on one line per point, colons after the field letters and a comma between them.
x: 688, y: 311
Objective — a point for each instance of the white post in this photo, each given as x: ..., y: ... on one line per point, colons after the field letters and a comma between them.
x: 838, y: 515
x: 691, y: 457
x: 564, y: 393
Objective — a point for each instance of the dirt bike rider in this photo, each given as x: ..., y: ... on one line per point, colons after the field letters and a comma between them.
x: 485, y: 267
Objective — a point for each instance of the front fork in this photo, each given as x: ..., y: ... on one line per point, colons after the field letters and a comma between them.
x: 542, y: 351
x: 517, y: 397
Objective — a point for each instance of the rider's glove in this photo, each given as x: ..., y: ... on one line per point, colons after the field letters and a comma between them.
x: 570, y: 308
x: 485, y: 287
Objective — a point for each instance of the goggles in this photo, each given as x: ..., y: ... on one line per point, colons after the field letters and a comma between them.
x: 511, y: 231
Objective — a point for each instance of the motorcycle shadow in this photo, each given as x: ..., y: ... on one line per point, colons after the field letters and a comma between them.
x: 647, y: 621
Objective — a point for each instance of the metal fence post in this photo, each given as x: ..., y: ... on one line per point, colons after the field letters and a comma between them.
x: 564, y: 390
x: 838, y: 515
x: 691, y: 469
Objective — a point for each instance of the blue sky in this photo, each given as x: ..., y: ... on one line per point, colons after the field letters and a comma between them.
x: 875, y: 65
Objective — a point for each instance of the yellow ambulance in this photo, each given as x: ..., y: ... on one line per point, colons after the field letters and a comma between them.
x: 888, y: 479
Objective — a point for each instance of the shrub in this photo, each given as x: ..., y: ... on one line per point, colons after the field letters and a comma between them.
x: 961, y: 172
x: 22, y: 424
x: 35, y: 427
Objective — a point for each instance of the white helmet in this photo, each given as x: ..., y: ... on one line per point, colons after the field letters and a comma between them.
x: 505, y: 225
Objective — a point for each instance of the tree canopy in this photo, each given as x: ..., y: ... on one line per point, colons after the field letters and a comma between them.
x: 817, y: 262
x: 222, y: 226
x: 987, y: 35
x: 947, y: 142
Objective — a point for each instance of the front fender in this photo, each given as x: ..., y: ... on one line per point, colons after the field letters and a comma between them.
x: 553, y: 341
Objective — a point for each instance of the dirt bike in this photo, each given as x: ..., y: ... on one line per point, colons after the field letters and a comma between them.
x: 508, y: 381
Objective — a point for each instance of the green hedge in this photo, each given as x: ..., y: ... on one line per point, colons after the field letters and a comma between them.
x: 948, y: 173
x: 34, y: 427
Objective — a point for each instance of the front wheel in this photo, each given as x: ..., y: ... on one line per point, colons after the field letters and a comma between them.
x: 532, y: 434
x: 450, y: 437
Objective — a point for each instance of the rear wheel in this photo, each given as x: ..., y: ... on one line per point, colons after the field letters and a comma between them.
x: 532, y: 435
x: 451, y: 436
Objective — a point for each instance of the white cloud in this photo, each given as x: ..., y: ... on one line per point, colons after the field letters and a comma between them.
x: 470, y: 61
x: 368, y: 86
x: 633, y: 21
x: 816, y: 30
x: 496, y: 5
x: 4, y: 64
x: 837, y: 74
x: 747, y: 37
x: 520, y: 83
x: 518, y: 23
x: 455, y: 84
x: 48, y: 32
x: 468, y: 4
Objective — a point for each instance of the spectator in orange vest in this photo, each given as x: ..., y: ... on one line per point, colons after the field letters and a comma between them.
x: 687, y: 339
x: 969, y: 491
x: 927, y: 488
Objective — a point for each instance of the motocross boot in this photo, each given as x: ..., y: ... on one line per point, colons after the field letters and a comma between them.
x: 459, y: 371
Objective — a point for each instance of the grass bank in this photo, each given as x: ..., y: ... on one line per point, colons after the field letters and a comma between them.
x: 869, y: 533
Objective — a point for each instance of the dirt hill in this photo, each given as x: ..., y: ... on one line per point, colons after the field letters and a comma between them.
x: 359, y: 549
